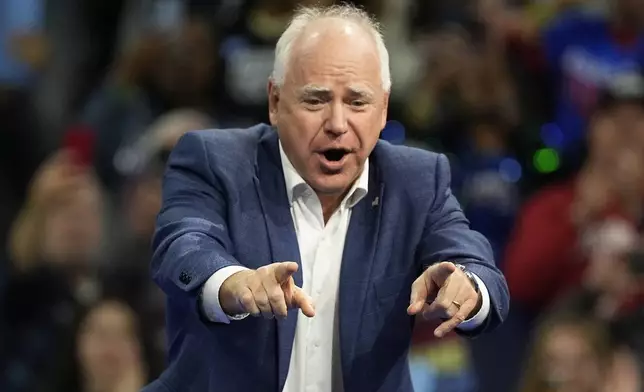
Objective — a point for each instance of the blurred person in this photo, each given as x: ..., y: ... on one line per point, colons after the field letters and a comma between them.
x: 485, y: 179
x: 63, y: 206
x: 254, y: 221
x: 108, y: 353
x: 556, y: 223
x: 128, y: 268
x: 157, y: 74
x: 54, y: 246
x: 627, y: 372
x: 582, y: 51
x: 461, y: 79
x: 184, y: 78
x: 610, y: 274
x: 155, y: 144
x: 572, y: 352
x: 141, y: 199
x: 246, y: 58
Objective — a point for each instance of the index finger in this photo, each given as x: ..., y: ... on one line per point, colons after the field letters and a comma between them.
x: 419, y: 293
x: 457, y: 319
x: 304, y: 302
x: 284, y: 270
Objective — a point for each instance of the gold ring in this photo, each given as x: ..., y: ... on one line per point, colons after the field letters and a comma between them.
x: 458, y: 304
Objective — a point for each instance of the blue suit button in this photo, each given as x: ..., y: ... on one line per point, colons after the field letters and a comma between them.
x: 184, y: 277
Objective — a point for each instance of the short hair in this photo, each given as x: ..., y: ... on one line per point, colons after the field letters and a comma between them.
x: 306, y: 15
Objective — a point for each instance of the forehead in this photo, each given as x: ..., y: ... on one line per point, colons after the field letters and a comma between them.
x: 335, y: 52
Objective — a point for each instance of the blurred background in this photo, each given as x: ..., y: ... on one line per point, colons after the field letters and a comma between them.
x: 539, y: 104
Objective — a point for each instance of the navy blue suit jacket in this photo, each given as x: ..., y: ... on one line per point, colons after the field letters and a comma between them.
x: 225, y: 203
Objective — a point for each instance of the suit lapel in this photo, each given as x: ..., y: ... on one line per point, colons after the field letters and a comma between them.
x: 357, y: 262
x: 273, y: 198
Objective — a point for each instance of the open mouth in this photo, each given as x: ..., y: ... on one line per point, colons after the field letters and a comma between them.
x: 335, y: 154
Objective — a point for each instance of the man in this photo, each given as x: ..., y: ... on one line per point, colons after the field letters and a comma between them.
x: 314, y: 214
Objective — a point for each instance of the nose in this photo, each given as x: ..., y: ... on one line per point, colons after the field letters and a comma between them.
x: 336, y: 123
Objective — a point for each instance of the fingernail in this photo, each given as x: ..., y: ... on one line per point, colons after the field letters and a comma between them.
x: 438, y: 333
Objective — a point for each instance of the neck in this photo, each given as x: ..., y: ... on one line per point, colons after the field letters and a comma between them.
x: 330, y: 203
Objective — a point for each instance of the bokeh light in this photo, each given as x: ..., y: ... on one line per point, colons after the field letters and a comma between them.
x: 546, y: 160
x: 510, y: 170
x: 552, y: 136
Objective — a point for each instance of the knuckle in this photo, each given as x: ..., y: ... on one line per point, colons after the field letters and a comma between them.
x: 276, y: 296
x: 261, y: 272
x: 247, y: 301
x: 261, y: 301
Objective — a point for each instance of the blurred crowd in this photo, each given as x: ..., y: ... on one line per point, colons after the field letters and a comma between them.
x: 539, y: 104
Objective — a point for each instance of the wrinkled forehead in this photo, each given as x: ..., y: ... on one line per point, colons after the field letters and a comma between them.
x: 335, y: 51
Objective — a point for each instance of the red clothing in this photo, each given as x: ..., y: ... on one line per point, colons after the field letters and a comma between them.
x: 543, y: 258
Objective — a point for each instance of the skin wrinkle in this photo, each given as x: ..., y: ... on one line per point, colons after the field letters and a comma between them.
x: 332, y: 97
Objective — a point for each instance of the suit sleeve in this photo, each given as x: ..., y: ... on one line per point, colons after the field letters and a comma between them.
x: 448, y: 237
x: 191, y: 241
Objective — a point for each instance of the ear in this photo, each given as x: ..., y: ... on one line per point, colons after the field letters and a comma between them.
x: 273, y: 101
x: 385, y: 109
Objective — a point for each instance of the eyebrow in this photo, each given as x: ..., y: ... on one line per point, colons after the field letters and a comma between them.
x: 354, y: 91
x: 359, y: 91
x: 314, y: 90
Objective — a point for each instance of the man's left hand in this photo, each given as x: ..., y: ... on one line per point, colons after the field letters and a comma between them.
x: 444, y: 292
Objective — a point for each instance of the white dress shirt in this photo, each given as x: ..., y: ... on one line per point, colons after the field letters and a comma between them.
x: 315, y: 359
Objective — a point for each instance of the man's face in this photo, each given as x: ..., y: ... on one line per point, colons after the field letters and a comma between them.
x: 331, y: 107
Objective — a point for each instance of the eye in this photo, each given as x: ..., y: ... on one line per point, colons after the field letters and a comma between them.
x: 313, y: 101
x: 358, y: 103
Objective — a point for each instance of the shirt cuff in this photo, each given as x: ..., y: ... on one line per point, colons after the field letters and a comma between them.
x: 479, y: 318
x: 210, y: 305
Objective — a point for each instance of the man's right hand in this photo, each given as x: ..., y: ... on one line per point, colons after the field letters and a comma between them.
x: 268, y: 291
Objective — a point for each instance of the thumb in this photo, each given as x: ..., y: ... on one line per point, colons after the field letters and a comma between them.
x: 304, y: 302
x: 284, y: 270
x: 440, y: 272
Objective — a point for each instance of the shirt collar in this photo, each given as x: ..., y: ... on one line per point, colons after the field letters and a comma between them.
x: 295, y: 182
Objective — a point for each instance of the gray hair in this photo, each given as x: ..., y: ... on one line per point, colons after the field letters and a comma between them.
x: 305, y: 15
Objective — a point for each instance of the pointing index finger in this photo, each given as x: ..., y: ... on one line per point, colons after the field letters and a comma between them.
x: 304, y: 302
x: 456, y: 320
x: 284, y: 270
